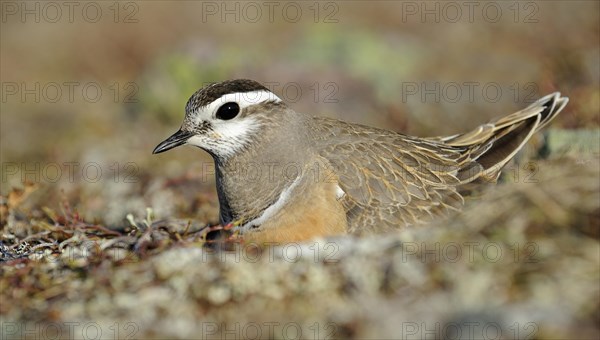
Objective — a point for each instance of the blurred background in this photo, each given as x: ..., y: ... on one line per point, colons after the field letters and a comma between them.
x: 89, y: 88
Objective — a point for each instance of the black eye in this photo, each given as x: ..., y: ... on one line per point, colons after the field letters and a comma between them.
x: 228, y: 111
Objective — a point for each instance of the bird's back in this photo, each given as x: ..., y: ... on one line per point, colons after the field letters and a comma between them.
x: 392, y: 180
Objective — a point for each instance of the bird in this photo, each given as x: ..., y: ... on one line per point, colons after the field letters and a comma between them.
x: 284, y: 176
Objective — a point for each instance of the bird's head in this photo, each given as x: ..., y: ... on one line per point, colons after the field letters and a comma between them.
x: 223, y: 118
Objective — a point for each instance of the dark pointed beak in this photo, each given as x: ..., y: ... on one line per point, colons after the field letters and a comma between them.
x: 178, y: 138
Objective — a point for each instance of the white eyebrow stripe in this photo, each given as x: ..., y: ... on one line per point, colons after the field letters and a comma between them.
x: 244, y: 99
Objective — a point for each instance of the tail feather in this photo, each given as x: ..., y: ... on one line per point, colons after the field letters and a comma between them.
x: 493, y: 144
x: 504, y: 148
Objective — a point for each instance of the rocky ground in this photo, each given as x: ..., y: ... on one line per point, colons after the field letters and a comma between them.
x: 522, y: 261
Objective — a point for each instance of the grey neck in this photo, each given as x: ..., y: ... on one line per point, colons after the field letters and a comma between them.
x: 253, y: 179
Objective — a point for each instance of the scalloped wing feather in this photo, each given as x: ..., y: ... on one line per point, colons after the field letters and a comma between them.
x: 391, y: 180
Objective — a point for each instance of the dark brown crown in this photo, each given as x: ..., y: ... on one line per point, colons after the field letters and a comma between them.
x: 212, y: 92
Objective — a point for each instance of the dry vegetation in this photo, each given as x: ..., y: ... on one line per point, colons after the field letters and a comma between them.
x: 522, y: 260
